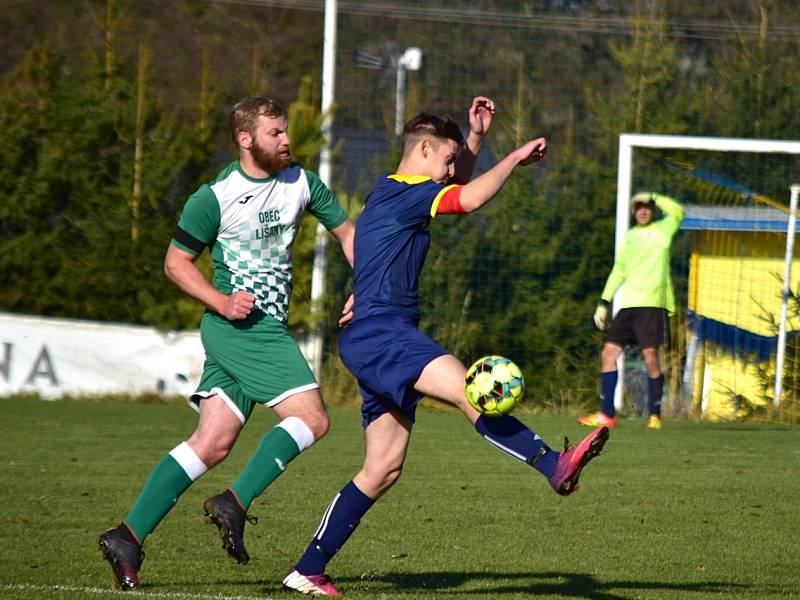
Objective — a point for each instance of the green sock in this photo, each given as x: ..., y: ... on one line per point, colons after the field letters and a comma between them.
x: 167, y: 481
x: 276, y: 450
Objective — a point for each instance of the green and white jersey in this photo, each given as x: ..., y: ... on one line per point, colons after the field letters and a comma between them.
x: 250, y: 225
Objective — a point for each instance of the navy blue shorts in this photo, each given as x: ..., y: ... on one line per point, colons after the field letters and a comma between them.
x: 387, y: 354
x: 643, y: 327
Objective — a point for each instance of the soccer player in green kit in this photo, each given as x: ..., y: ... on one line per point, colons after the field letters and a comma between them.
x: 642, y: 270
x: 248, y: 217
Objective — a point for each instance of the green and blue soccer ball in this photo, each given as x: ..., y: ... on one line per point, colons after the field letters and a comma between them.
x: 494, y: 385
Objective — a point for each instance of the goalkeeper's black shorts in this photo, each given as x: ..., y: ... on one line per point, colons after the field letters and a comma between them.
x: 643, y: 327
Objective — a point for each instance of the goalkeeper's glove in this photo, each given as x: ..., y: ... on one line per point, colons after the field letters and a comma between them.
x: 601, y: 315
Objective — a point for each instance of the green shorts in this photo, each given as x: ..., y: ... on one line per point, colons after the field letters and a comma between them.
x: 249, y: 362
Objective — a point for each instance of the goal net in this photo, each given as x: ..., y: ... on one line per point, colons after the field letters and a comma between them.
x: 734, y: 351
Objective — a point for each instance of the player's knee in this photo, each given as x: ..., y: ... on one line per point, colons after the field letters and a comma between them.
x: 375, y: 482
x: 653, y: 370
x: 320, y: 425
x: 211, y: 454
x: 307, y: 430
x: 381, y: 476
x: 384, y: 479
x: 217, y: 455
x: 651, y: 362
x: 392, y: 476
x: 212, y: 446
x: 377, y: 486
x: 609, y: 354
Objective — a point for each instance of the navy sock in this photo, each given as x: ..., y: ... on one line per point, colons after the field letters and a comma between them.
x: 512, y: 437
x: 339, y: 521
x: 655, y: 389
x: 608, y: 385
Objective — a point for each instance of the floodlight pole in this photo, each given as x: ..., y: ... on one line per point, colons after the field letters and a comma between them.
x: 787, y: 287
x: 410, y: 60
x: 399, y: 99
x: 321, y: 235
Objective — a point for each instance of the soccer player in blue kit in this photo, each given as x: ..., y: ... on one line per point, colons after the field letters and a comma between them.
x: 395, y: 363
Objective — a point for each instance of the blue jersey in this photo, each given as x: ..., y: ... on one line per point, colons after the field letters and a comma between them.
x: 391, y: 242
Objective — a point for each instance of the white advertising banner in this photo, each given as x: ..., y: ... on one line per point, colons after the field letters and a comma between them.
x: 57, y: 357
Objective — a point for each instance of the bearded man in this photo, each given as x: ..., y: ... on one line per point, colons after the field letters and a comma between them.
x: 248, y: 217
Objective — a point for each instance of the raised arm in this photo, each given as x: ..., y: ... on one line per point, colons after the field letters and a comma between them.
x: 480, y: 120
x: 672, y: 209
x: 482, y: 189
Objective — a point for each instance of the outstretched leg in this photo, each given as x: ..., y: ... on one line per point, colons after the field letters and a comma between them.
x: 443, y: 379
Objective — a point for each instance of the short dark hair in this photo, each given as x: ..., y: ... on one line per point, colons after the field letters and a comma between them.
x: 425, y: 124
x: 244, y: 116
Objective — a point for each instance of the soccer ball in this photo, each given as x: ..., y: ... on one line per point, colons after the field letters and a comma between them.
x: 494, y: 385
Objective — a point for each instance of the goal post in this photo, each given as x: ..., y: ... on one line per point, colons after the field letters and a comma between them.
x: 785, y: 292
x: 630, y: 142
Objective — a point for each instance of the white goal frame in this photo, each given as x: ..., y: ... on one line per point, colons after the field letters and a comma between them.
x: 629, y: 141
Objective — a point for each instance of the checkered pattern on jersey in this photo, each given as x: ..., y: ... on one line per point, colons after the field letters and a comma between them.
x: 262, y: 266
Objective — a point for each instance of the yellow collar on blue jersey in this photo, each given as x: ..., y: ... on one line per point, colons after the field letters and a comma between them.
x: 409, y: 178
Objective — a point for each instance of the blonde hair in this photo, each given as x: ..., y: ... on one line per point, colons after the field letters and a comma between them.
x: 246, y: 112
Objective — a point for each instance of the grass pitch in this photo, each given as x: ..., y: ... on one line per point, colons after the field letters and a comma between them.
x: 694, y: 511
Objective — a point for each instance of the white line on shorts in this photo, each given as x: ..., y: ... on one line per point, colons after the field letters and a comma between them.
x: 21, y: 587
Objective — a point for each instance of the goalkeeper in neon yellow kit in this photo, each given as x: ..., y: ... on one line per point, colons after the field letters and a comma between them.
x: 641, y: 273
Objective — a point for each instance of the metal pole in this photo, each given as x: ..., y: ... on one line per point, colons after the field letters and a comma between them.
x: 328, y: 84
x: 321, y: 236
x: 400, y: 98
x: 787, y: 286
x: 624, y: 167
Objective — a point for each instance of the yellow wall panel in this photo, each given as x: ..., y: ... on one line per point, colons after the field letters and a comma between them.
x: 729, y: 385
x: 736, y: 278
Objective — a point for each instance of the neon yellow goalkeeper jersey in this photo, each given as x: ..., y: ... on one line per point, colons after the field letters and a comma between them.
x: 249, y: 226
x: 641, y: 271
